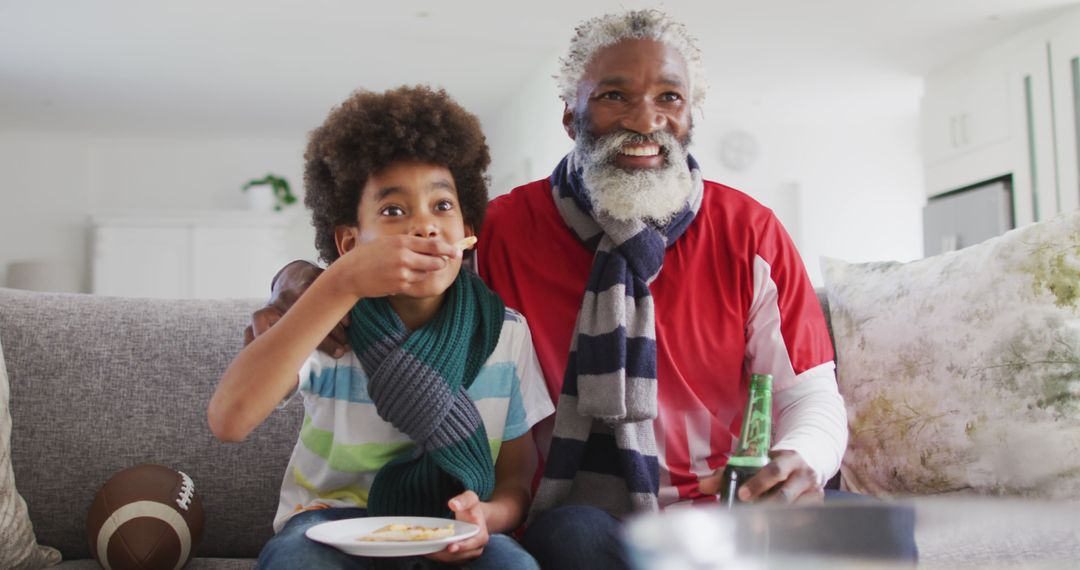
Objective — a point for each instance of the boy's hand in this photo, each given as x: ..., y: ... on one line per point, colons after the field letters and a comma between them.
x: 469, y: 508
x: 389, y: 265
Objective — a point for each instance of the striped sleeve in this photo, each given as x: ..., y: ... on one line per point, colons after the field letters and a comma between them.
x: 787, y: 337
x: 786, y: 332
x: 308, y: 369
x: 529, y: 399
x: 315, y: 366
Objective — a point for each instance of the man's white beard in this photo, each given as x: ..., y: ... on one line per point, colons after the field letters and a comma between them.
x: 653, y: 195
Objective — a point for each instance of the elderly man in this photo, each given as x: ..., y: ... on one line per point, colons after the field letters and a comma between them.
x: 652, y: 295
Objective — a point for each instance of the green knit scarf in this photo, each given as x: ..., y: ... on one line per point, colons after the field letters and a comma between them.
x: 418, y: 381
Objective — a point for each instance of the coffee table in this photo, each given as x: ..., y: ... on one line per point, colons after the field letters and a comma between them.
x: 951, y: 533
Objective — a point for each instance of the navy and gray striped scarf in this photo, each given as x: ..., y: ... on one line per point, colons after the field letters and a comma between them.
x: 603, y: 449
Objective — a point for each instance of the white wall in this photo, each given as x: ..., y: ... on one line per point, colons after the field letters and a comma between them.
x: 841, y: 168
x: 839, y: 163
x: 45, y: 202
x: 53, y: 181
x: 526, y: 135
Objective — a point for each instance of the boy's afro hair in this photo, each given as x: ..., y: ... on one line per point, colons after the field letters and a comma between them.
x: 368, y: 132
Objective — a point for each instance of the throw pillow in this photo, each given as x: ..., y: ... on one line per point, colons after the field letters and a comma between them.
x: 20, y: 549
x: 961, y: 372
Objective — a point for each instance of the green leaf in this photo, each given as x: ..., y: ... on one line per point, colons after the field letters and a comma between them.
x: 280, y: 186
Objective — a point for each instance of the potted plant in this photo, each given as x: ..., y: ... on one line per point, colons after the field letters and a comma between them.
x: 280, y: 193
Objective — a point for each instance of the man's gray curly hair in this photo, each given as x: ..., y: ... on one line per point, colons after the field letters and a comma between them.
x: 602, y: 31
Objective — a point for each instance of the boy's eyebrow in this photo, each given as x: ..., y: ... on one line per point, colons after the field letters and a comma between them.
x: 439, y: 184
x: 442, y: 184
x: 384, y: 192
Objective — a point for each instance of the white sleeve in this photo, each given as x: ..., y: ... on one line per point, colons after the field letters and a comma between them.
x: 808, y: 411
x: 534, y: 393
x: 810, y: 419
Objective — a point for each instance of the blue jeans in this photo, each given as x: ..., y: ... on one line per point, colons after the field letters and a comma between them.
x: 291, y: 550
x: 578, y: 536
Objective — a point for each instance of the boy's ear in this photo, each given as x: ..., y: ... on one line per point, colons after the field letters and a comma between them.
x: 469, y: 230
x: 346, y: 238
x: 568, y: 121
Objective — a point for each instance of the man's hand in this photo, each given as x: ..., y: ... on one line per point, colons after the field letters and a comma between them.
x: 288, y: 285
x: 787, y: 478
x: 467, y: 507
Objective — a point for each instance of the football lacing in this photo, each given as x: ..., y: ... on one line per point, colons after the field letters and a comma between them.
x: 187, y: 491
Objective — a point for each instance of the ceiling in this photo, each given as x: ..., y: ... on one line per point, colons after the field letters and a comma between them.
x: 274, y: 67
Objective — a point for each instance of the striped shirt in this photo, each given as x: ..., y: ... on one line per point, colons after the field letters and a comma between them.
x: 343, y: 442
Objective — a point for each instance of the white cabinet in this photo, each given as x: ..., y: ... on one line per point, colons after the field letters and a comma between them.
x: 1041, y: 72
x: 133, y: 261
x: 1065, y: 68
x: 188, y: 255
x: 964, y: 110
x: 1010, y: 110
x: 1032, y: 161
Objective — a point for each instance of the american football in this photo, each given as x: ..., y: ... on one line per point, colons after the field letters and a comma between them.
x: 146, y: 517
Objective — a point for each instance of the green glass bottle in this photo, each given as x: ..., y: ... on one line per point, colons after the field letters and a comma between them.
x: 755, y: 438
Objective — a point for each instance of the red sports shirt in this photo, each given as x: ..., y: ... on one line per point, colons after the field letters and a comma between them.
x: 732, y: 298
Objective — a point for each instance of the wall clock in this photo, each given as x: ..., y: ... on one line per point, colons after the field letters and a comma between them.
x: 738, y: 150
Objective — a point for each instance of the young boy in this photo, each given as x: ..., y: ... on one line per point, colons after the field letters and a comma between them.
x: 430, y: 412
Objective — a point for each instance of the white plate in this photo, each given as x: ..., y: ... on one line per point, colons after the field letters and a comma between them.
x: 344, y: 535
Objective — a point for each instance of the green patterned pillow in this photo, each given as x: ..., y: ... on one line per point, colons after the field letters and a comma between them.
x: 961, y: 372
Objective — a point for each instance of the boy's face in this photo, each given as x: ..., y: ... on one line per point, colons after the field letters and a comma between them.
x: 412, y: 198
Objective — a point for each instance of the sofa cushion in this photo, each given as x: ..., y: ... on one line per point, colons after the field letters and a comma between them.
x: 99, y: 384
x: 20, y: 547
x: 961, y: 372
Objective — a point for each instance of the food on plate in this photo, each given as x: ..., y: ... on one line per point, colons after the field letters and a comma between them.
x: 407, y: 533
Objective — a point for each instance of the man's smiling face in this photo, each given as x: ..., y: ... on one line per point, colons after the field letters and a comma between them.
x: 633, y: 87
x: 631, y: 124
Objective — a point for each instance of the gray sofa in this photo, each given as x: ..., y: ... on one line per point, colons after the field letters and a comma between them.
x: 100, y: 383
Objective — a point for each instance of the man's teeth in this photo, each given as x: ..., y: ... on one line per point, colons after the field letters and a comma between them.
x: 640, y: 150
